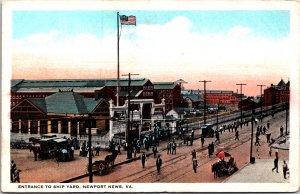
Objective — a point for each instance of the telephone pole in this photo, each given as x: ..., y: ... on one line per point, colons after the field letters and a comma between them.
x: 129, y: 153
x: 241, y: 97
x: 204, y: 82
x: 261, y: 100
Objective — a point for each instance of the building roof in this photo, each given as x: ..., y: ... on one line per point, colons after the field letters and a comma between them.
x: 78, y: 85
x: 207, y: 91
x: 133, y: 93
x: 281, y: 83
x: 164, y: 85
x: 288, y: 84
x: 66, y: 103
x: 193, y: 97
x: 181, y: 81
x: 57, y: 89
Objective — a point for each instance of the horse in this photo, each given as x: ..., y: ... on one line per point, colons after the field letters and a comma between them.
x: 215, y: 169
x: 110, y: 159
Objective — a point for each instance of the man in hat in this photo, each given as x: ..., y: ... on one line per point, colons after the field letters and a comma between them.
x: 158, y: 164
x: 195, y: 165
x: 143, y: 159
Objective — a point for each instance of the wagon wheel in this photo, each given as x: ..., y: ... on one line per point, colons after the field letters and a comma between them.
x: 102, y: 167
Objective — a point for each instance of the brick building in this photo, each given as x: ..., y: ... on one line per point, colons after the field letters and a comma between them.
x: 141, y: 88
x: 249, y: 103
x: 277, y: 94
x: 63, y: 112
x: 214, y: 97
x: 92, y: 88
x: 170, y: 91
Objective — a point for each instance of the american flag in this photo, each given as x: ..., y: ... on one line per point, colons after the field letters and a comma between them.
x: 128, y: 20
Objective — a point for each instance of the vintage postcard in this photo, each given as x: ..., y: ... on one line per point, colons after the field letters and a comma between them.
x: 144, y: 96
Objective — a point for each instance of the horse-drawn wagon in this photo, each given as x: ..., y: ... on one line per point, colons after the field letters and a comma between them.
x: 102, y: 167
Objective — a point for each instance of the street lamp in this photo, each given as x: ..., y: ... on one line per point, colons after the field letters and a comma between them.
x: 261, y: 101
x: 252, y: 160
x: 129, y: 153
x: 90, y: 149
x: 204, y: 82
x: 241, y: 84
x: 218, y: 114
x: 286, y: 117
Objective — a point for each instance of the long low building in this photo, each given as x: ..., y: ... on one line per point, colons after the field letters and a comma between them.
x: 141, y: 88
x: 64, y: 112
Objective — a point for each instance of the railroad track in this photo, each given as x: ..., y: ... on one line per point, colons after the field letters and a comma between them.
x: 229, y: 143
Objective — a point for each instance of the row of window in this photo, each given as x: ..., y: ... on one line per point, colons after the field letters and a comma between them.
x: 28, y: 96
x: 148, y: 93
x: 148, y: 88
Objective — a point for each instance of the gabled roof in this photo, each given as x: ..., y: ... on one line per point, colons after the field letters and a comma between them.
x: 40, y: 103
x: 281, y: 83
x: 288, y: 84
x: 66, y: 102
x: 91, y: 104
x: 164, y: 85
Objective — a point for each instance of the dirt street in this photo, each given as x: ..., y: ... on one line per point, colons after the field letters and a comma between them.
x: 175, y: 168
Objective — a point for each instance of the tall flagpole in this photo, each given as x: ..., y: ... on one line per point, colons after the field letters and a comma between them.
x: 118, y: 72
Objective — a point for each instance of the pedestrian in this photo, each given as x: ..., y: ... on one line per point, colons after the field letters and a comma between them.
x: 195, y: 165
x: 191, y: 141
x: 193, y: 154
x: 158, y: 164
x: 257, y: 141
x: 264, y: 130
x: 134, y: 150
x: 212, y: 147
x: 119, y: 149
x: 169, y: 147
x: 268, y: 137
x: 13, y: 167
x: 275, y: 164
x: 281, y: 131
x: 154, y: 150
x: 173, y: 148
x: 192, y: 135
x: 35, y: 152
x: 217, y: 137
x: 268, y: 125
x: 97, y: 149
x: 285, y: 169
x: 202, y: 140
x: 237, y: 135
x: 144, y: 159
x: 209, y: 150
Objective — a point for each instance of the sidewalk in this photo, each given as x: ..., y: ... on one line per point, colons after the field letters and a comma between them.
x: 259, y: 172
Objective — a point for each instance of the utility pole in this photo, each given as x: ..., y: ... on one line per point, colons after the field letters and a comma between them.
x: 90, y: 150
x: 241, y: 84
x: 129, y: 153
x: 251, y: 142
x: 218, y: 114
x: 286, y: 117
x: 204, y: 82
x: 261, y: 100
x: 118, y: 56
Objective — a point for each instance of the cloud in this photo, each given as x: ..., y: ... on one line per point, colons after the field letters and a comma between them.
x: 239, y: 31
x: 152, y: 50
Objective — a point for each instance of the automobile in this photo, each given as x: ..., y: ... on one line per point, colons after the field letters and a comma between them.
x: 207, y: 130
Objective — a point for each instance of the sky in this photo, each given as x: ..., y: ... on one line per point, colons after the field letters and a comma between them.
x: 225, y: 47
